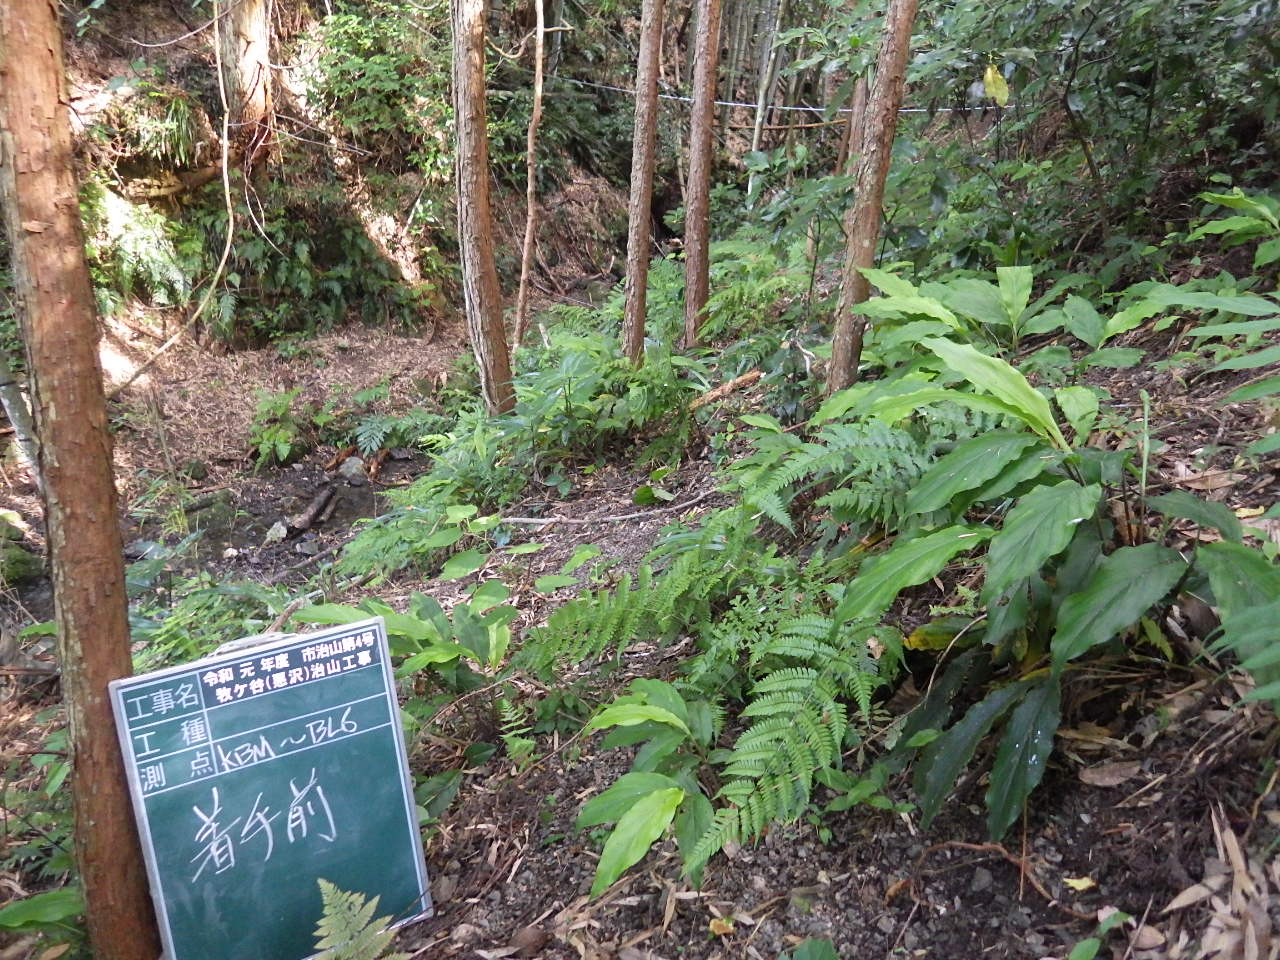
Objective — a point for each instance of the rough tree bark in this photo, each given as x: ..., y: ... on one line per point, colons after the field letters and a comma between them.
x: 697, y: 226
x: 768, y: 74
x: 557, y: 36
x: 531, y: 180
x: 639, y: 210
x: 475, y: 218
x: 40, y: 199
x: 246, y: 43
x: 862, y: 223
x: 851, y: 139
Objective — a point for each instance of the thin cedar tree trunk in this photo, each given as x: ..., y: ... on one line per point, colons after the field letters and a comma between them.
x: 738, y: 16
x: 639, y: 209
x: 475, y: 219
x: 531, y: 181
x: 768, y: 74
x: 862, y: 223
x: 697, y: 227
x: 851, y: 141
x: 557, y: 36
x: 40, y: 199
x: 246, y: 42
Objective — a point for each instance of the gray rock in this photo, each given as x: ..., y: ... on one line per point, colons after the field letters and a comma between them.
x: 886, y: 924
x: 466, y: 933
x: 352, y: 471
x: 443, y: 888
x: 17, y: 565
x: 137, y: 549
x: 982, y: 880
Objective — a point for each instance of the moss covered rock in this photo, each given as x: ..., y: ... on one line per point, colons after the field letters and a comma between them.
x: 12, y: 526
x: 18, y: 565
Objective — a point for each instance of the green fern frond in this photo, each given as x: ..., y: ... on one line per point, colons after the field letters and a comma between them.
x: 808, y: 625
x: 347, y: 930
x: 595, y: 622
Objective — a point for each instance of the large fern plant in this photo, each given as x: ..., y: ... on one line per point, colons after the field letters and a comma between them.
x: 767, y: 701
x: 348, y: 930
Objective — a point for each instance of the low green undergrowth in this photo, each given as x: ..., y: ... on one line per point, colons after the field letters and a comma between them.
x: 578, y: 403
x: 952, y: 457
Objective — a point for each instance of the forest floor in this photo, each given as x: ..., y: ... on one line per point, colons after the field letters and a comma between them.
x: 1164, y: 780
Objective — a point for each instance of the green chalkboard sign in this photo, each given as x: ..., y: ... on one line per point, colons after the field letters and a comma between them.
x: 257, y: 772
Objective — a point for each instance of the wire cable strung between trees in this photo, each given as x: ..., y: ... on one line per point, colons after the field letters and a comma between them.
x: 752, y: 106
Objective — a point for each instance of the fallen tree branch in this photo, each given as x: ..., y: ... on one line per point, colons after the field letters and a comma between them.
x: 309, y: 516
x: 37, y: 671
x: 296, y: 604
x: 546, y: 521
x: 722, y: 391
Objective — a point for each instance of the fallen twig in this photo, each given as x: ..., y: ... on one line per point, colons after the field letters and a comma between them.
x: 314, y: 558
x: 544, y: 521
x: 38, y: 671
x: 296, y: 604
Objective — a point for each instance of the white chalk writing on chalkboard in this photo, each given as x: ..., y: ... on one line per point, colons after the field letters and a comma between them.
x: 307, y: 816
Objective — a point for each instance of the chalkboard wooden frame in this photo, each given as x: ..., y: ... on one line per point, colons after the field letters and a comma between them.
x: 317, y: 709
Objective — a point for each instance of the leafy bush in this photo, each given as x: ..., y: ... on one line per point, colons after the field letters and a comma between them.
x: 300, y: 260
x: 381, y: 71
x: 149, y: 123
x: 581, y: 397
x: 134, y: 251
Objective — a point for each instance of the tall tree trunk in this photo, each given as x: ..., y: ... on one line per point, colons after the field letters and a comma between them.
x: 697, y: 227
x: 40, y: 199
x: 862, y: 223
x: 557, y: 36
x: 246, y: 63
x: 768, y: 73
x: 738, y: 17
x: 475, y: 219
x: 851, y: 139
x: 639, y: 210
x: 531, y: 182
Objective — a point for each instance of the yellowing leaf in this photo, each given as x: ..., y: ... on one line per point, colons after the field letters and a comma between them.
x: 938, y: 634
x: 997, y: 89
x: 1079, y: 884
x: 721, y: 926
